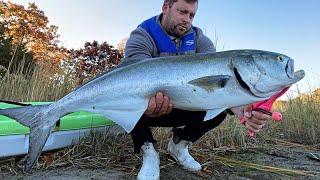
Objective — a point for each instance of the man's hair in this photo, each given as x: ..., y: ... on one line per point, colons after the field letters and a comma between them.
x: 170, y: 2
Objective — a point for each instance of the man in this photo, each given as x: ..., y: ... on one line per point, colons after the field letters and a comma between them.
x: 172, y: 33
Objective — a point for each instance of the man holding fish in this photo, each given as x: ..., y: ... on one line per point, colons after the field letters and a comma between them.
x: 168, y: 34
x: 159, y: 85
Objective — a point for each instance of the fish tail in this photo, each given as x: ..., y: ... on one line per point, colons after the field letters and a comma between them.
x: 39, y: 134
x: 23, y: 114
x: 36, y: 118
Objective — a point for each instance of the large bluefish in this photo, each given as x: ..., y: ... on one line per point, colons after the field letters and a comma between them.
x: 207, y: 82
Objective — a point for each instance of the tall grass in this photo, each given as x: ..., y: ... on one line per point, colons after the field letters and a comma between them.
x: 35, y: 86
x: 302, y: 119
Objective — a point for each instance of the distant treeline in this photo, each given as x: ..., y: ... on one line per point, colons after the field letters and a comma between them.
x: 27, y: 40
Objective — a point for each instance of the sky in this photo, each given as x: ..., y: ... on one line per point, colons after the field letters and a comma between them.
x: 291, y: 27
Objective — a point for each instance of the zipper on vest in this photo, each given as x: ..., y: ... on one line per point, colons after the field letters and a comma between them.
x: 177, y: 42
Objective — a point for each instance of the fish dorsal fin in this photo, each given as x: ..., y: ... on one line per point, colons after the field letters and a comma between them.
x: 124, y: 62
x: 211, y: 83
x: 128, y: 61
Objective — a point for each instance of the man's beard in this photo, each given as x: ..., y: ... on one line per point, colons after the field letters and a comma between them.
x: 176, y: 32
x: 173, y: 28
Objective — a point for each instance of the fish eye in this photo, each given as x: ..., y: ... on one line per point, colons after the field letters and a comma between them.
x: 280, y: 58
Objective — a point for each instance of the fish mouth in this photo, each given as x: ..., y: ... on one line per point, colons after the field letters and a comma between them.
x: 242, y: 83
x: 293, y: 76
x: 289, y: 69
x: 297, y: 76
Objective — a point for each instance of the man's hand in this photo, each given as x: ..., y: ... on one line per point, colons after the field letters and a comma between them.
x: 255, y: 120
x: 158, y: 105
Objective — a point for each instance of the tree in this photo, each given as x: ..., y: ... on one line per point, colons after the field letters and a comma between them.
x: 122, y: 45
x: 93, y: 59
x: 6, y: 51
x: 30, y: 27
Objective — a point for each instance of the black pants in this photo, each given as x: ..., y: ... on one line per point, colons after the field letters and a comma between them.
x: 194, y: 126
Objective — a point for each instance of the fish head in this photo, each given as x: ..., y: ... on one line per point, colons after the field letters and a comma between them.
x: 264, y: 73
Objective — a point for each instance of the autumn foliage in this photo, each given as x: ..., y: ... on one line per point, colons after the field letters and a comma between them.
x: 30, y: 27
x: 93, y: 59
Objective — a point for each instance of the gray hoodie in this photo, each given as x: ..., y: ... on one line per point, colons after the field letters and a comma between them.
x: 141, y: 45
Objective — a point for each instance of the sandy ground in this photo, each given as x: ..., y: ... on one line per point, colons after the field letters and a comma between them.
x: 294, y: 158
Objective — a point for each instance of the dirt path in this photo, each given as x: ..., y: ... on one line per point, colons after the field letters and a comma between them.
x: 267, y: 162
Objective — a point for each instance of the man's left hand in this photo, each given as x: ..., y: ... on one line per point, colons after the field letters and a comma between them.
x: 255, y: 120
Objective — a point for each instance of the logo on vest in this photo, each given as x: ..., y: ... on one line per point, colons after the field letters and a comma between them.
x: 190, y: 42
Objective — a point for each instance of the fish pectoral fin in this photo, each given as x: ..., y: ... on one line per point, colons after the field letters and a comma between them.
x: 212, y: 113
x: 211, y: 83
x: 126, y: 115
x: 126, y: 119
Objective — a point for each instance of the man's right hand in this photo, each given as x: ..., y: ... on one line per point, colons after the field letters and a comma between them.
x: 158, y: 105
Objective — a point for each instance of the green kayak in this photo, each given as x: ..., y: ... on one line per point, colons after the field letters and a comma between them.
x: 14, y: 137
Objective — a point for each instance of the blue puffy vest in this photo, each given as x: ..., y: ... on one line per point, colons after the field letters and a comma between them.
x: 164, y: 44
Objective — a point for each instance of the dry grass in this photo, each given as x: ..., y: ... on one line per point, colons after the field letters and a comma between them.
x: 302, y: 120
x: 35, y: 87
x: 107, y: 152
x: 94, y: 151
x: 269, y: 169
